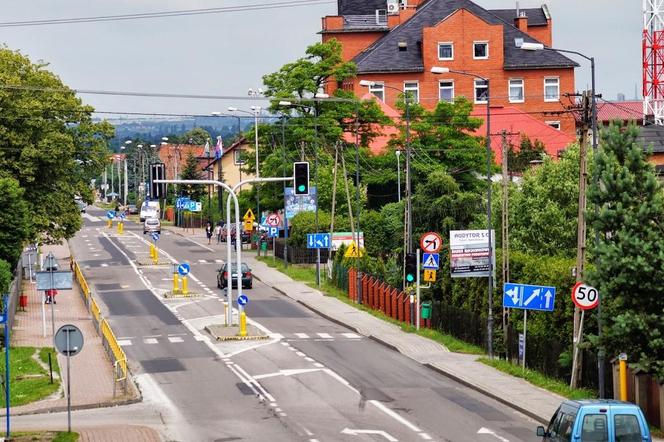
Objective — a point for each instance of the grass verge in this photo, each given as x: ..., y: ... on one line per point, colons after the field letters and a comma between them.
x: 308, y: 276
x: 540, y: 380
x: 29, y: 382
x: 44, y: 436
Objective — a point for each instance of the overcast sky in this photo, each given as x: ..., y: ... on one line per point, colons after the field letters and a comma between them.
x: 226, y: 54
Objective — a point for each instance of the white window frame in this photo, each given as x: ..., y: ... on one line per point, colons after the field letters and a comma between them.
x: 416, y: 90
x: 557, y: 98
x: 451, y: 44
x: 523, y: 90
x: 378, y: 87
x: 237, y: 153
x: 475, y: 88
x: 553, y: 124
x: 440, y: 88
x: 482, y: 42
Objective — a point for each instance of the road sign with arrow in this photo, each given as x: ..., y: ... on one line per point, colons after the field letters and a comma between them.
x: 528, y: 297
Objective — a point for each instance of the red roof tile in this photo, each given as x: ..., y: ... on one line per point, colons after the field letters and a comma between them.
x: 619, y: 110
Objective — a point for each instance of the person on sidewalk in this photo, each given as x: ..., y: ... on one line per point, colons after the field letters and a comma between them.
x: 217, y: 232
x: 50, y: 296
x: 208, y: 231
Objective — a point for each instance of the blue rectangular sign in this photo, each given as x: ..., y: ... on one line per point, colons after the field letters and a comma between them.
x: 273, y: 232
x: 529, y: 297
x: 318, y: 240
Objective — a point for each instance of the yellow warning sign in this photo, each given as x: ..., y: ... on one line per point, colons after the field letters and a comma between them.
x: 248, y: 225
x: 429, y: 275
x: 249, y: 216
x: 353, y: 251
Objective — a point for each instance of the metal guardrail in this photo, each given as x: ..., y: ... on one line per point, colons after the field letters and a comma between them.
x: 109, y: 341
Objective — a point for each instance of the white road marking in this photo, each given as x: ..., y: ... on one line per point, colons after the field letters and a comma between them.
x: 355, y: 432
x: 394, y: 415
x: 302, y: 335
x: 484, y: 430
x: 310, y: 359
x: 324, y: 335
x: 203, y: 261
x: 104, y: 265
x: 124, y: 342
x: 219, y: 261
x: 150, y: 341
x: 201, y: 338
x: 94, y: 219
x: 425, y: 436
x: 175, y: 339
x: 289, y: 372
x: 96, y: 255
x: 351, y: 336
x: 300, y: 354
x: 276, y: 336
x: 318, y: 364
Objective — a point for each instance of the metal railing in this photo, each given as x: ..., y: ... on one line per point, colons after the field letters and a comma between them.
x: 109, y: 341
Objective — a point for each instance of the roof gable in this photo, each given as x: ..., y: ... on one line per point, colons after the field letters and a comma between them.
x: 384, y: 55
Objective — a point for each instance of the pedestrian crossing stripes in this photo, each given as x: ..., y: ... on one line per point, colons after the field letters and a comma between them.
x: 300, y: 336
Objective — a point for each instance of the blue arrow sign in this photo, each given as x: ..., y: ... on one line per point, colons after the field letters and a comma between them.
x: 318, y: 240
x: 110, y: 214
x: 242, y: 300
x: 184, y: 269
x: 155, y: 236
x: 273, y: 232
x: 3, y: 318
x: 122, y: 216
x: 529, y: 297
x: 431, y: 261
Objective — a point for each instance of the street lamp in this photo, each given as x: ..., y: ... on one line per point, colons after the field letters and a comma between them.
x: 529, y: 46
x: 409, y: 207
x: 255, y: 111
x: 444, y: 70
x: 398, y: 153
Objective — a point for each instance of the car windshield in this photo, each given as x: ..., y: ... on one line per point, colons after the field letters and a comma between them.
x: 245, y: 268
x: 153, y: 221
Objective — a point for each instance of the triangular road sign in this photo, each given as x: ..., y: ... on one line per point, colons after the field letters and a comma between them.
x: 353, y: 251
x: 249, y: 215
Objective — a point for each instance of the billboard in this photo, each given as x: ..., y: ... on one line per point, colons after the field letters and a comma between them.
x: 295, y: 204
x: 339, y: 238
x: 469, y: 253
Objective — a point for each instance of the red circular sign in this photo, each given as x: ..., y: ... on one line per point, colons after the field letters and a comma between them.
x: 273, y: 220
x: 584, y: 296
x: 431, y: 242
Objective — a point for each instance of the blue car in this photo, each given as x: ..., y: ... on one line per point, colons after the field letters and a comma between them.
x: 596, y: 421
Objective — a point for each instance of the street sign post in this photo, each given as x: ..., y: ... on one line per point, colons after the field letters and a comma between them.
x: 68, y: 341
x: 110, y: 214
x: 318, y: 240
x: 155, y: 236
x: 431, y: 261
x: 431, y: 242
x: 184, y: 269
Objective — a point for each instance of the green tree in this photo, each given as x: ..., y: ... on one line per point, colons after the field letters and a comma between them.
x: 50, y: 145
x: 14, y: 219
x: 191, y: 171
x: 630, y: 255
x: 519, y: 161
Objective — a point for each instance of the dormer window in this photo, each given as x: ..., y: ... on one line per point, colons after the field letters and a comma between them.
x: 481, y: 50
x: 445, y: 51
x: 403, y: 46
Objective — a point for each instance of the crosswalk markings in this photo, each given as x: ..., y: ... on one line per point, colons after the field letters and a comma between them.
x: 324, y: 335
x: 302, y: 335
x: 219, y: 261
x: 202, y: 261
x: 150, y: 341
x: 124, y: 342
x: 350, y: 335
x: 175, y: 339
x: 201, y: 338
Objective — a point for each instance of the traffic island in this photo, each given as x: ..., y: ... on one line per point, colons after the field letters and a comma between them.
x: 149, y: 262
x: 173, y: 294
x: 222, y: 332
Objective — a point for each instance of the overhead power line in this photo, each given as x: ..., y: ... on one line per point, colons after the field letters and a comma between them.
x: 162, y: 14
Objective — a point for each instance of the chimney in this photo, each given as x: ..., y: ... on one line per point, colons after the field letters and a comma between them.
x: 521, y: 20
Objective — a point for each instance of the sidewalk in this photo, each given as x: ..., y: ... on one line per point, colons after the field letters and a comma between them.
x: 91, y: 370
x: 526, y: 398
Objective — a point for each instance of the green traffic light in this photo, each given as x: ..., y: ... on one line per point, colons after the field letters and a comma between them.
x: 410, y: 278
x: 301, y: 188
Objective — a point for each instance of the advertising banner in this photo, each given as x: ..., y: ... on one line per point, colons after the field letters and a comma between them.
x: 300, y: 203
x: 469, y: 253
x: 339, y: 238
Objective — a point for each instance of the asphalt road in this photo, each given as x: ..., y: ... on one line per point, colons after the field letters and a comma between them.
x: 313, y: 380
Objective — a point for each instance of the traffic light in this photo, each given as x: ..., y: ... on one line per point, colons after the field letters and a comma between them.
x: 411, y: 267
x: 157, y: 172
x: 301, y: 178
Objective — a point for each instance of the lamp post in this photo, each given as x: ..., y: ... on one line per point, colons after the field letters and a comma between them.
x: 409, y: 208
x: 398, y: 153
x: 255, y: 111
x: 443, y: 70
x: 529, y: 46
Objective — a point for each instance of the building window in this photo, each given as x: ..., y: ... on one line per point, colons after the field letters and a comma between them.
x: 480, y: 50
x: 412, y: 90
x: 516, y: 90
x: 446, y: 91
x: 551, y: 89
x: 378, y: 90
x: 238, y: 157
x: 554, y: 124
x: 445, y: 51
x: 481, y: 91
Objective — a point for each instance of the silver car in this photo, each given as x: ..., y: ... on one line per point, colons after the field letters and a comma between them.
x: 151, y: 225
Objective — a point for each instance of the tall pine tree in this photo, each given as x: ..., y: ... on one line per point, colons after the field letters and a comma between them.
x: 630, y: 256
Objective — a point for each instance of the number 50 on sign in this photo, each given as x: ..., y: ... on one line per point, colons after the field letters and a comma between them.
x: 584, y: 296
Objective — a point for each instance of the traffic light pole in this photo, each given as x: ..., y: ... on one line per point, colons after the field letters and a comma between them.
x: 417, y: 290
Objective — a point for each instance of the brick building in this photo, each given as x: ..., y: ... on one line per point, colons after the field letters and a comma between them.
x: 395, y: 43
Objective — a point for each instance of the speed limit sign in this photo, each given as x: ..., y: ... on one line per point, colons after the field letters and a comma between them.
x: 584, y: 296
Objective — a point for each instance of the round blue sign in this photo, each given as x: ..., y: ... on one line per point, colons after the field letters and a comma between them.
x: 122, y: 216
x: 242, y: 300
x: 110, y: 214
x: 155, y: 236
x: 184, y: 269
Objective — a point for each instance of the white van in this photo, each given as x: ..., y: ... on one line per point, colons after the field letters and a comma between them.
x: 150, y: 209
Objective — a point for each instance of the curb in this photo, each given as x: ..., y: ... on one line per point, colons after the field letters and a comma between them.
x: 63, y: 408
x: 522, y: 410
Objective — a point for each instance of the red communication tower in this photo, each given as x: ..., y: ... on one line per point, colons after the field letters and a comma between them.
x: 653, y: 60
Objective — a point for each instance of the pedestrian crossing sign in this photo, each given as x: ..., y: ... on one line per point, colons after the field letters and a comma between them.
x: 249, y: 216
x: 431, y: 261
x: 353, y: 251
x: 429, y: 275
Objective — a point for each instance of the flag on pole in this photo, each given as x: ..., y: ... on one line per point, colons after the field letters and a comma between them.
x: 219, y: 148
x: 207, y: 148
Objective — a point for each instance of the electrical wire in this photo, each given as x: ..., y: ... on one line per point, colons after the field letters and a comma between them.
x: 162, y: 14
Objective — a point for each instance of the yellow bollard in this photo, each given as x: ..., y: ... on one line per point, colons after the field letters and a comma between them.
x: 185, y: 289
x: 152, y: 251
x: 243, y: 323
x: 120, y: 227
x: 155, y: 258
x: 176, y: 283
x: 110, y: 224
x: 623, y: 376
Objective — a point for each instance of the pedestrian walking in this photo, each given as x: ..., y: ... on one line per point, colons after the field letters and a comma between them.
x: 217, y: 232
x: 208, y: 231
x: 50, y: 296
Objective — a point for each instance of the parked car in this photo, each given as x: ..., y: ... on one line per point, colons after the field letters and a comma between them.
x: 596, y: 420
x: 151, y: 225
x: 222, y: 276
x: 132, y: 209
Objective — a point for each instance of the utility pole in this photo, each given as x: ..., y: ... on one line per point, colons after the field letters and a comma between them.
x: 581, y: 232
x: 505, y: 234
